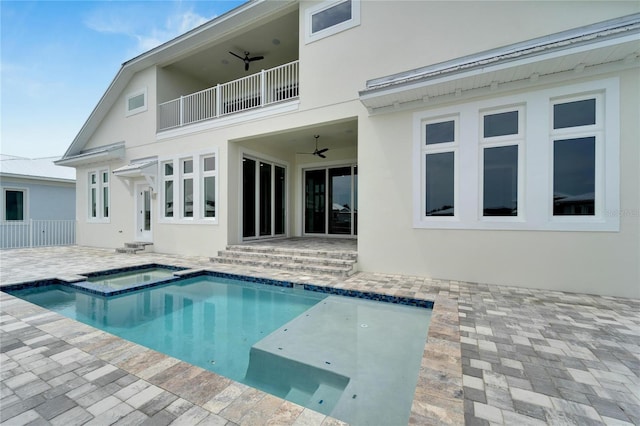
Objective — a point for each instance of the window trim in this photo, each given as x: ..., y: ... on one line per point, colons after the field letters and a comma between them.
x: 537, y: 153
x: 197, y: 175
x: 498, y: 142
x: 128, y: 97
x: 311, y: 36
x: 25, y: 204
x: 99, y: 186
x: 440, y: 148
x: 204, y: 174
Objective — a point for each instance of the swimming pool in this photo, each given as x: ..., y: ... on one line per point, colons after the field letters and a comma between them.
x: 333, y: 354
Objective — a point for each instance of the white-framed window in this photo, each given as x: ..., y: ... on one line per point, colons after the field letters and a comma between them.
x: 577, y: 139
x: 501, y: 163
x: 167, y: 189
x: 547, y: 159
x: 331, y: 17
x: 99, y: 195
x: 208, y: 184
x: 14, y: 204
x: 136, y: 102
x: 439, y: 146
x: 189, y: 188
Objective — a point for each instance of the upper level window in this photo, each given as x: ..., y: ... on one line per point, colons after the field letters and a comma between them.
x: 14, y: 204
x: 136, y: 102
x: 331, y: 17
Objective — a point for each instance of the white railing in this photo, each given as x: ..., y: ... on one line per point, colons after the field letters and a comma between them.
x: 254, y: 91
x: 37, y: 233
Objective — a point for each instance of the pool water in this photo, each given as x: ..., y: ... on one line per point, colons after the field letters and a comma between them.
x: 131, y: 278
x: 356, y: 360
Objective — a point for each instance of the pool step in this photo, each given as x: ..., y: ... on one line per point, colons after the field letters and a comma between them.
x: 133, y: 248
x: 336, y: 263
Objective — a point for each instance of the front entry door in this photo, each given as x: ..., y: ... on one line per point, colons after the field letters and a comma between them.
x: 143, y: 213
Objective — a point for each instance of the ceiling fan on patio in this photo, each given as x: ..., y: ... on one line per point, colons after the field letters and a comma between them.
x: 318, y: 152
x: 247, y: 60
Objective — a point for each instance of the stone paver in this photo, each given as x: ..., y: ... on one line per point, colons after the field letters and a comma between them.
x: 495, y: 355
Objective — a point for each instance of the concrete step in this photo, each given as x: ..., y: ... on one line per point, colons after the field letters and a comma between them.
x: 287, y: 258
x: 334, y: 254
x: 341, y: 271
x: 133, y: 248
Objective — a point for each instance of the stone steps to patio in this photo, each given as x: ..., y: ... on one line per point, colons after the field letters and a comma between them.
x: 133, y: 248
x: 337, y: 263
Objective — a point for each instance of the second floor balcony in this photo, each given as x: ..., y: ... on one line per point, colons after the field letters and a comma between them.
x: 258, y: 90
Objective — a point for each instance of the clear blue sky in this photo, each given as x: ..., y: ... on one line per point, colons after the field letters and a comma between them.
x: 59, y: 57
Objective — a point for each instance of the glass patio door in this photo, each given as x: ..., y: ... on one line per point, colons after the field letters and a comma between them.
x: 143, y: 213
x: 331, y: 196
x: 263, y: 199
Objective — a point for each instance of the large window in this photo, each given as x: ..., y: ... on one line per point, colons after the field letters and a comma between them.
x: 14, y: 204
x: 99, y: 195
x: 189, y: 189
x: 331, y: 17
x: 501, y: 142
x: 575, y: 133
x: 543, y: 160
x: 439, y: 146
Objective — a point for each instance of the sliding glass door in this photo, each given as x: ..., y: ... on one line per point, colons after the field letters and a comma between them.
x: 331, y: 196
x: 263, y: 199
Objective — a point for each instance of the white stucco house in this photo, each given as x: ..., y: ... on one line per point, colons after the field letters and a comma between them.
x: 490, y: 142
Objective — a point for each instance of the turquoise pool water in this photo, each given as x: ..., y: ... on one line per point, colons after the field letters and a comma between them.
x: 131, y: 278
x: 356, y: 360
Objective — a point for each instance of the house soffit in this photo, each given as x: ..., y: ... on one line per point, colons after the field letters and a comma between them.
x: 574, y: 52
x: 168, y: 52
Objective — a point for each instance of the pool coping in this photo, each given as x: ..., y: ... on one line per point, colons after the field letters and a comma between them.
x: 438, y: 397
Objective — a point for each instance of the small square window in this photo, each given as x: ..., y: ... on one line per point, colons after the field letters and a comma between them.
x: 574, y: 114
x: 168, y: 169
x: 331, y: 17
x: 187, y: 166
x: 502, y: 124
x: 209, y: 164
x: 442, y: 132
x: 136, y: 102
x: 105, y: 177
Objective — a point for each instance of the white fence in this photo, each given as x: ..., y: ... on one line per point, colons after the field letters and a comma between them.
x: 37, y: 233
x: 256, y: 90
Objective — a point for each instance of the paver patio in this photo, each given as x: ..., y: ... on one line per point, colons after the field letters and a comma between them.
x: 495, y: 355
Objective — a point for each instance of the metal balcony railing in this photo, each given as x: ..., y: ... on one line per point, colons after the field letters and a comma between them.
x: 254, y: 91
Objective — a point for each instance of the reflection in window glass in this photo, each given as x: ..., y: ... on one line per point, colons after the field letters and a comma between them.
x: 574, y: 176
x: 187, y: 199
x: 440, y: 184
x: 168, y: 198
x: 187, y: 166
x: 14, y: 205
x: 502, y: 124
x: 209, y: 164
x: 500, y: 190
x: 330, y: 17
x: 440, y: 132
x: 210, y: 196
x: 573, y: 114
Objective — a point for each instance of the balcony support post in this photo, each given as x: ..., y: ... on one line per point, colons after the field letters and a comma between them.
x: 262, y: 88
x: 181, y: 112
x: 218, y: 106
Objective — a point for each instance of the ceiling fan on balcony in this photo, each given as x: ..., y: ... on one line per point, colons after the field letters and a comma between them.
x: 247, y: 60
x: 318, y: 152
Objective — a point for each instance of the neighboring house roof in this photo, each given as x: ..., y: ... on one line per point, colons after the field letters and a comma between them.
x: 572, y: 50
x: 216, y: 28
x: 35, y: 168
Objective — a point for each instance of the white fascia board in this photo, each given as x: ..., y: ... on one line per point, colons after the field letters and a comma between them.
x: 41, y: 178
x: 94, y: 156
